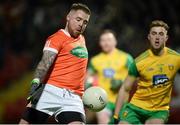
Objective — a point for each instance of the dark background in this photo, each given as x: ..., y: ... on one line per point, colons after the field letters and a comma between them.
x: 25, y: 25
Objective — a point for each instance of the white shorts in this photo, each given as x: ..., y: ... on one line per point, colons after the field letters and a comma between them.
x: 54, y: 100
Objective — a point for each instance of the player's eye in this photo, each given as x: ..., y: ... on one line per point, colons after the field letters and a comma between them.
x: 78, y: 19
x: 153, y: 33
x: 161, y: 33
x: 85, y: 22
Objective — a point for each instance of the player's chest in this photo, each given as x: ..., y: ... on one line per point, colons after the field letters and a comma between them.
x: 75, y: 49
x: 109, y: 66
x: 158, y: 71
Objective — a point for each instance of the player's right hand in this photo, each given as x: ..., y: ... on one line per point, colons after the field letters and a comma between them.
x: 89, y: 82
x: 115, y: 85
x: 35, y: 85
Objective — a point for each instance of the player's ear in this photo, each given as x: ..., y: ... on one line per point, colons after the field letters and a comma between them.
x: 68, y: 17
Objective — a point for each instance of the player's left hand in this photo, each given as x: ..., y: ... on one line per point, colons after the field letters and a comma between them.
x: 35, y: 85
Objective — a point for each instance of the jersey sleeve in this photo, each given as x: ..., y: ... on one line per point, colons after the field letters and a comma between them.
x: 129, y: 60
x: 132, y: 69
x: 53, y: 44
x: 91, y: 67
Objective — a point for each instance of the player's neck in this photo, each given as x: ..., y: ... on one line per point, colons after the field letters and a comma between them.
x: 69, y: 33
x: 66, y: 31
x: 109, y: 52
x: 158, y: 52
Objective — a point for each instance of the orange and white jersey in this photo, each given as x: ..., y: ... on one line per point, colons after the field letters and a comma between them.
x: 69, y: 68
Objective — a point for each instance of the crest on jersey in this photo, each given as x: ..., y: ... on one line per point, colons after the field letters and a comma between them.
x: 160, y: 79
x: 80, y: 52
x: 125, y: 114
x: 171, y: 67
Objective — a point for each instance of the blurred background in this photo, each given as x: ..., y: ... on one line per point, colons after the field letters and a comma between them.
x: 25, y: 25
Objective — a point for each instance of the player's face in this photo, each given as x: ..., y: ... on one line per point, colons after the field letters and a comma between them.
x: 107, y: 42
x: 158, y: 37
x: 77, y: 22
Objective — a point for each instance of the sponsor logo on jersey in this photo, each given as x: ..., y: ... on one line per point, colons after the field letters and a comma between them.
x: 160, y: 79
x: 108, y: 73
x: 80, y: 52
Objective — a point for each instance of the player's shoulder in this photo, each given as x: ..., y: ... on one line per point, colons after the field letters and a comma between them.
x: 58, y: 35
x: 127, y: 55
x: 97, y: 56
x: 122, y: 52
x: 172, y: 52
x: 142, y: 56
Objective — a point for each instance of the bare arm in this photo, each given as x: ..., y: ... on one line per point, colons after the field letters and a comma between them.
x: 123, y: 95
x: 44, y: 65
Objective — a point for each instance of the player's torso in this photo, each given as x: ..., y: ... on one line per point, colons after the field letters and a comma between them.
x: 155, y: 81
x: 69, y: 68
x: 110, y: 67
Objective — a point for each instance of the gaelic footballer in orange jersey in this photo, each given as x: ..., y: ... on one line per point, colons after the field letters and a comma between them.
x: 58, y: 82
x: 69, y: 70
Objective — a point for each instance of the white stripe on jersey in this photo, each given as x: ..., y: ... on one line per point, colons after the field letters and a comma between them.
x: 51, y: 49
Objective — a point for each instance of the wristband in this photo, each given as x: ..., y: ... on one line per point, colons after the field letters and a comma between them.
x: 35, y: 80
x: 115, y: 116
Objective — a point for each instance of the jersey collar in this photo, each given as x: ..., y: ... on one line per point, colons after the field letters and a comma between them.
x: 165, y: 51
x: 65, y: 32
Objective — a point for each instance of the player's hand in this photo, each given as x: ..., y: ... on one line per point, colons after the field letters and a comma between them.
x: 115, y: 119
x: 35, y: 85
x: 116, y: 84
x: 89, y: 82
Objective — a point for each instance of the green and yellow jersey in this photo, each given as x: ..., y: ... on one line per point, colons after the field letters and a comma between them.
x: 155, y: 79
x: 108, y: 67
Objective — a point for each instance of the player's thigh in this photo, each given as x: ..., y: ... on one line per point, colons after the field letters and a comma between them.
x: 154, y: 121
x: 158, y: 117
x: 124, y: 122
x: 129, y: 115
x: 76, y: 123
x: 24, y: 122
x: 109, y: 111
x: 103, y: 116
x: 70, y: 117
x: 90, y: 116
x: 33, y: 116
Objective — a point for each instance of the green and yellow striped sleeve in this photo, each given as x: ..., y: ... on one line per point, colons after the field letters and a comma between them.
x: 129, y: 60
x: 132, y: 69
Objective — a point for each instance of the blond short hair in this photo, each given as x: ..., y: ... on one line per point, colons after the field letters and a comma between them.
x: 80, y: 6
x: 157, y: 23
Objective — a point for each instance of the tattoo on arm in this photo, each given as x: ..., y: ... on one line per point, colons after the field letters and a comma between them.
x: 44, y: 65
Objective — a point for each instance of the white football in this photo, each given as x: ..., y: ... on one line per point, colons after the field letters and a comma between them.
x: 95, y: 98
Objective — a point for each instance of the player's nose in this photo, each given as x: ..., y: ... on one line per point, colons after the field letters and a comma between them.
x: 80, y: 24
x: 157, y: 37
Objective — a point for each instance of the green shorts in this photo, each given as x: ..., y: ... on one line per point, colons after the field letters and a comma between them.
x: 135, y: 115
x: 110, y: 106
